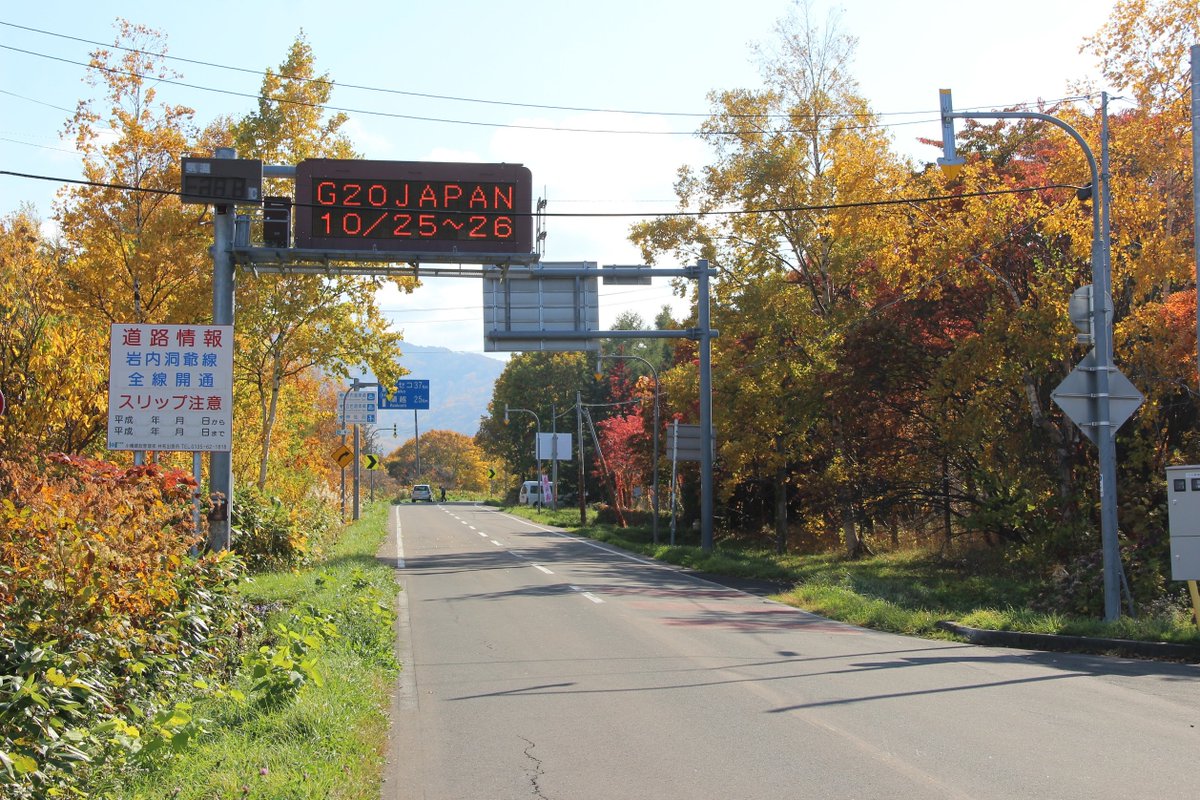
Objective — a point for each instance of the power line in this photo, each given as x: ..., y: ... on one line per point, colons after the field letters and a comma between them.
x: 625, y: 214
x: 454, y: 98
x: 477, y: 123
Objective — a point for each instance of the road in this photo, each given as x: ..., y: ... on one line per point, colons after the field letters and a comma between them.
x: 539, y: 665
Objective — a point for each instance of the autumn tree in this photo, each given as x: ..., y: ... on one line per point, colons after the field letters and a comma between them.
x: 135, y: 254
x: 448, y: 459
x: 53, y: 390
x: 290, y: 325
x: 796, y: 158
x: 544, y: 383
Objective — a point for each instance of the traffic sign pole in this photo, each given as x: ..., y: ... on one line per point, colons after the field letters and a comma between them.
x: 357, y: 471
x: 220, y: 463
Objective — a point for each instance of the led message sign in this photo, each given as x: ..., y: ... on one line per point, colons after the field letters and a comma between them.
x: 418, y: 206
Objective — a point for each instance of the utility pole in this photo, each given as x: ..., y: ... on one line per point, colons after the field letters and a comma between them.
x: 553, y: 458
x: 582, y: 490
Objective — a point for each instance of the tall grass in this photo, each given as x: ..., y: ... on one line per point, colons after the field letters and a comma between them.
x: 329, y: 742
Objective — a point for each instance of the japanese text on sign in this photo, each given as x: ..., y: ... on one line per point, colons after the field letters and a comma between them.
x: 170, y: 387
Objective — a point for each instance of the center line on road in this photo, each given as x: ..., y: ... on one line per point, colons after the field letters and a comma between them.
x: 481, y: 533
x: 588, y: 595
x: 497, y: 543
x: 543, y: 569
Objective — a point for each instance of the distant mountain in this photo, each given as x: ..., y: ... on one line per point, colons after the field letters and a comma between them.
x: 460, y: 387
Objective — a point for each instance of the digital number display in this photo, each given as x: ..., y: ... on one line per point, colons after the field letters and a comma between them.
x: 413, y: 206
x: 219, y: 181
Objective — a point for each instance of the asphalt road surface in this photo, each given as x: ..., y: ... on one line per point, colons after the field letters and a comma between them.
x: 539, y: 665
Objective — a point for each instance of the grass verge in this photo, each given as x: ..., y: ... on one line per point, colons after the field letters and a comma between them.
x: 329, y: 739
x: 905, y: 592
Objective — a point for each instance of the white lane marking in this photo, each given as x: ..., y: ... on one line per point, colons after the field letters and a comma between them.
x: 481, y: 533
x: 497, y: 543
x: 472, y: 527
x: 543, y: 569
x: 588, y: 595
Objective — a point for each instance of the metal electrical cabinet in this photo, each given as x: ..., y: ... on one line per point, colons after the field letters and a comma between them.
x: 1183, y: 510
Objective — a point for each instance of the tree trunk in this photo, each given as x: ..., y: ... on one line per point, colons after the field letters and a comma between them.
x: 947, y: 530
x: 781, y: 510
x: 855, y: 547
x: 269, y: 414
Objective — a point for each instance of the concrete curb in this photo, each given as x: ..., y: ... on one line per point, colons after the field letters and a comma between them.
x: 1073, y: 644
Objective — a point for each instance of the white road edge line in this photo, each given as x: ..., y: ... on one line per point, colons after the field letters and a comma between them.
x: 406, y: 684
x: 399, y: 539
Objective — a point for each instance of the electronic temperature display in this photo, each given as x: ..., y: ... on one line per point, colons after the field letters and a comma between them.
x: 413, y: 206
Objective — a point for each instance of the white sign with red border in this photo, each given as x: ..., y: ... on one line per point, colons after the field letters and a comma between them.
x: 170, y: 387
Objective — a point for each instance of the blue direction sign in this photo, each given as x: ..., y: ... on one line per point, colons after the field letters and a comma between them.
x: 409, y: 395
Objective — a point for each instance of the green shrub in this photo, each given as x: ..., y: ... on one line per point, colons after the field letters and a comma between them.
x: 271, y: 535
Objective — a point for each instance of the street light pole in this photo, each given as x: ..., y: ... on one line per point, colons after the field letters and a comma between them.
x: 1101, y: 314
x: 654, y: 488
x: 536, y: 455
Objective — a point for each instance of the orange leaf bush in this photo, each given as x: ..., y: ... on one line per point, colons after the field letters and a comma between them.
x: 86, y: 545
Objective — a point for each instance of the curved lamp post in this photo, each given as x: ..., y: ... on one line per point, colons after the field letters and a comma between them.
x: 538, y: 422
x: 1101, y: 315
x: 654, y: 372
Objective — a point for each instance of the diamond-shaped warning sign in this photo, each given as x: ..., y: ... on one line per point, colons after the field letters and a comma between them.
x: 1076, y: 397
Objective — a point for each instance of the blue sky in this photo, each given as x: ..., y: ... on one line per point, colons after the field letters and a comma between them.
x: 648, y: 56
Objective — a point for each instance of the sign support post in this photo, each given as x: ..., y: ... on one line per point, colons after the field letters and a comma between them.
x: 220, y: 464
x: 706, y: 431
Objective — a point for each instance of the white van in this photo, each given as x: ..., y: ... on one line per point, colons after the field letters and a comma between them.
x: 531, y: 494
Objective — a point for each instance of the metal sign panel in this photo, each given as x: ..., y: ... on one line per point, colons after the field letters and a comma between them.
x: 410, y: 394
x: 360, y: 407
x: 170, y: 387
x: 546, y: 448
x: 413, y: 206
x: 687, y: 447
x: 542, y: 306
x: 1074, y: 396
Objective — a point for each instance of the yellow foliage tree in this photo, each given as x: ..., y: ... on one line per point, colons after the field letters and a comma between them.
x: 448, y: 459
x: 51, y: 365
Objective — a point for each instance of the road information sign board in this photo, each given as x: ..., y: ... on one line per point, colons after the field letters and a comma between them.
x: 170, y: 387
x: 360, y: 407
x: 419, y: 206
x: 410, y: 394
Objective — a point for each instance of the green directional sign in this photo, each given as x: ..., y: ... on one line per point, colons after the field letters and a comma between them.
x: 372, y: 460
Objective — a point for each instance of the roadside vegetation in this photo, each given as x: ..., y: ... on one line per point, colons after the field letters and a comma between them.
x: 907, y: 591
x: 314, y: 722
x: 132, y: 667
